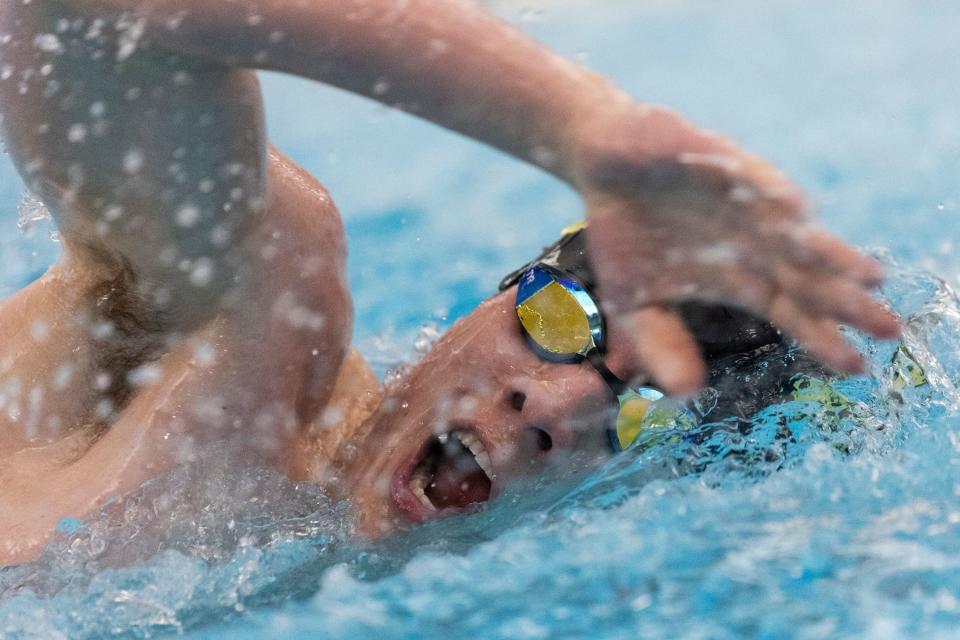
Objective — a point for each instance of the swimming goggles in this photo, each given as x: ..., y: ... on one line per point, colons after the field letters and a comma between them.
x: 563, y: 323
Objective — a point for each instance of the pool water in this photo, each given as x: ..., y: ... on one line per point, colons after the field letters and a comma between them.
x: 834, y: 514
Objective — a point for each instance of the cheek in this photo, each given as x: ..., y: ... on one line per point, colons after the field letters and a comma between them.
x: 591, y: 414
x: 571, y: 402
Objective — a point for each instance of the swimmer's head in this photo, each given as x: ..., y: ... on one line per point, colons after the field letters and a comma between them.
x: 495, y: 399
x: 479, y: 411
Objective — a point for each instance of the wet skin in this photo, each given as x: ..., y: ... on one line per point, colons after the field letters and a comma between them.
x: 481, y: 378
x: 201, y: 297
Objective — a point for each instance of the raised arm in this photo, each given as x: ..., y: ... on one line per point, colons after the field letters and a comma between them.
x: 676, y: 213
x: 447, y: 61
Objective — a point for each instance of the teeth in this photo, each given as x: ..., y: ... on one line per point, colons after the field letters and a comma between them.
x: 479, y: 452
x: 421, y: 477
x: 417, y: 485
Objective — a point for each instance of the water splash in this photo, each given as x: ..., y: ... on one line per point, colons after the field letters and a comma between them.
x: 31, y: 212
x: 207, y: 538
x: 831, y: 505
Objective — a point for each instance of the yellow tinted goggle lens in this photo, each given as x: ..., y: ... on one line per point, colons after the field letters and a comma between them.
x: 645, y: 408
x: 631, y: 419
x: 555, y: 321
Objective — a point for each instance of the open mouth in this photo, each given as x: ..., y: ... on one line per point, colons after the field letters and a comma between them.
x: 453, y: 472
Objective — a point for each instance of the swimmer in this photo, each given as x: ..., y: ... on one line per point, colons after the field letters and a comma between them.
x: 201, y: 302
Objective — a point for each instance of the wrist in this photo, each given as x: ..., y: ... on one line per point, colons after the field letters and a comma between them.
x: 619, y: 145
x: 593, y: 101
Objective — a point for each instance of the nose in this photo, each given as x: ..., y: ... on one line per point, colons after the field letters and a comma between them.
x: 547, y: 416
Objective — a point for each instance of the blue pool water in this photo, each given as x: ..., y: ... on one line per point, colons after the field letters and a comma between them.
x: 834, y: 515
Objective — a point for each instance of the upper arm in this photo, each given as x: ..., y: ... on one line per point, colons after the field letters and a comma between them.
x: 148, y: 160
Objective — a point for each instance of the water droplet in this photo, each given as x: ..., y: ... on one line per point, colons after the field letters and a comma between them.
x: 428, y: 334
x: 146, y: 374
x: 133, y: 161
x: 202, y: 273
x: 62, y: 376
x: 101, y: 381
x: 203, y: 354
x: 220, y: 236
x: 130, y: 33
x: 39, y: 330
x: 187, y: 216
x: 438, y: 47
x: 113, y: 213
x: 77, y: 133
x: 30, y: 211
x: 543, y: 156
x: 48, y: 42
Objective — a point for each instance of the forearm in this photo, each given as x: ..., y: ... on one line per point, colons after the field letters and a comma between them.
x: 448, y: 61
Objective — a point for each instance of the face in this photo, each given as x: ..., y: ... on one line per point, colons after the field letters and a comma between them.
x: 479, y: 411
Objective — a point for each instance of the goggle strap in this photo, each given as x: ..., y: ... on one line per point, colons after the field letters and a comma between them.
x: 555, y: 248
x: 617, y: 386
x: 514, y: 277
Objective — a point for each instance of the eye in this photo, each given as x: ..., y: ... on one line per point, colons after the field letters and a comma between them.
x: 517, y: 400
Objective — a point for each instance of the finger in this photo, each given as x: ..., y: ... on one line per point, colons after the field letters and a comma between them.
x: 824, y: 251
x: 735, y: 284
x: 777, y: 188
x: 820, y: 336
x: 838, y: 298
x: 665, y: 349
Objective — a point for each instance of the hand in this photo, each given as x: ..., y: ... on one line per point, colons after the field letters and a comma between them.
x: 678, y: 214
